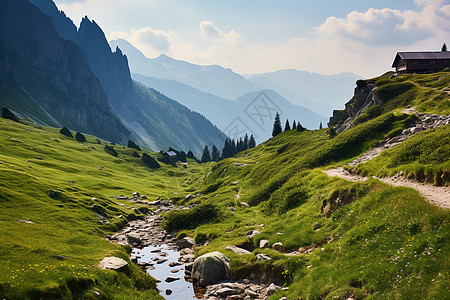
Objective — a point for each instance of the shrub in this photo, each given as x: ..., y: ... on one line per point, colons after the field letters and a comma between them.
x: 189, y: 218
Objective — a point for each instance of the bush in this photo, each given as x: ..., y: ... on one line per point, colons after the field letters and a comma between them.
x: 189, y: 218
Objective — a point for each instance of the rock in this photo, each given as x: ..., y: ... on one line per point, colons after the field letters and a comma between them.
x: 7, y: 114
x: 133, y: 145
x: 174, y: 264
x: 155, y: 203
x: 171, y: 279
x: 99, y: 210
x: 235, y: 183
x: 25, y: 221
x: 232, y: 209
x: 66, y: 132
x: 262, y: 257
x: 134, y: 239
x: 252, y: 233
x: 135, y: 195
x: 237, y: 250
x: 186, y: 242
x: 174, y: 271
x: 245, y: 204
x: 210, y: 268
x: 54, y: 194
x: 80, y: 137
x: 415, y: 130
x: 263, y: 244
x: 272, y: 288
x: 59, y: 257
x: 114, y: 263
x: 161, y: 260
x: 224, y: 292
x: 168, y: 292
x: 190, y: 197
x: 278, y: 246
x: 317, y: 226
x: 135, y: 154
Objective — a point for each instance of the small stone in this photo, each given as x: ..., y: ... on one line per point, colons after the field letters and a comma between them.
x: 136, y: 195
x: 237, y: 250
x: 252, y: 233
x: 114, y: 263
x: 263, y: 244
x: 278, y: 246
x: 186, y: 242
x: 174, y: 270
x: 171, y: 279
x: 245, y: 204
x: 232, y: 209
x: 53, y: 194
x: 168, y: 292
x: 262, y: 257
x: 174, y: 264
x: 272, y: 288
x: 25, y: 221
x: 160, y: 261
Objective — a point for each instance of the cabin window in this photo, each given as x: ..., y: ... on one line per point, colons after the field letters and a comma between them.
x: 432, y: 62
x: 415, y: 62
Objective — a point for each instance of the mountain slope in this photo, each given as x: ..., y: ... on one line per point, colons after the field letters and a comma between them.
x: 242, y: 113
x: 212, y: 79
x: 47, y: 78
x: 88, y: 66
x: 320, y: 93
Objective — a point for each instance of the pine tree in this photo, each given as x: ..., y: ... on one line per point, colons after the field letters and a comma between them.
x: 320, y: 125
x: 191, y: 155
x: 215, y: 155
x: 277, y: 126
x: 246, y: 142
x: 287, y: 126
x: 444, y: 47
x: 294, y: 125
x: 300, y: 128
x: 206, y: 156
x: 251, y: 142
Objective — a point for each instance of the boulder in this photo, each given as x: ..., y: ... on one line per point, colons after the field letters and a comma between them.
x: 135, y: 195
x: 210, y: 268
x: 133, y: 145
x: 237, y: 250
x: 134, y: 239
x: 54, y: 194
x: 7, y: 114
x: 114, y: 263
x: 171, y: 279
x: 186, y: 242
x: 263, y: 244
x: 80, y: 137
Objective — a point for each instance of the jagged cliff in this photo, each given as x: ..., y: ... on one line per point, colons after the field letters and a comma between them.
x: 47, y: 78
x: 363, y: 98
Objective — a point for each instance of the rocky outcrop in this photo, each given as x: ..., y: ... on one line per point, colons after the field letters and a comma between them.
x: 7, y: 114
x: 240, y: 290
x: 210, y: 268
x: 364, y: 97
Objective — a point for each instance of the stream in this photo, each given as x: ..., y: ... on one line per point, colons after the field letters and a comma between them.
x: 163, y: 264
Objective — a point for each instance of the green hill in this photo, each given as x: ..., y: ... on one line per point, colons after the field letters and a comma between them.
x: 339, y: 239
x: 50, y: 246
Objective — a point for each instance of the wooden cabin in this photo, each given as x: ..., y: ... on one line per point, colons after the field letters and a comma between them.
x: 421, y: 62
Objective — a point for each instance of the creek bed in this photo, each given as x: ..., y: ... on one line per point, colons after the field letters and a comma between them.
x: 159, y: 259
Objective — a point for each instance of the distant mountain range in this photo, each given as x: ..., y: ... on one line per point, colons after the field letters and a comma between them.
x: 56, y: 75
x: 236, y: 115
x: 319, y: 93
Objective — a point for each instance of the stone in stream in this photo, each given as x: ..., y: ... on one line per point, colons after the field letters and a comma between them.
x: 210, y: 268
x: 168, y: 292
x: 171, y: 279
x: 174, y: 264
x: 186, y: 242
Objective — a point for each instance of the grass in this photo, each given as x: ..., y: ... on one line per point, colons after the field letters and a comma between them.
x: 37, y: 159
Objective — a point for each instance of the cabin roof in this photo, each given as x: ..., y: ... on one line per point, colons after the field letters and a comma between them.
x: 420, y: 55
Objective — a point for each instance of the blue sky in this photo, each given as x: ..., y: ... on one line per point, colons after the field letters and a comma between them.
x: 255, y: 36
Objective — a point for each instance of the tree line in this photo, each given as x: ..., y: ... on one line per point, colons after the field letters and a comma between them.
x: 230, y: 149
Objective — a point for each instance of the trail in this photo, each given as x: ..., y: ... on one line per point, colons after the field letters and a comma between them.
x: 438, y: 195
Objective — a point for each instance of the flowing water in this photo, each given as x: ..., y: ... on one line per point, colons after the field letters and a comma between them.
x: 155, y: 256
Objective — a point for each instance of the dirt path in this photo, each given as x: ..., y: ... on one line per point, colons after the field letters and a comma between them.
x: 438, y: 195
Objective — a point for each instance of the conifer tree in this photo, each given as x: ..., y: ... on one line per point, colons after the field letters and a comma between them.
x: 277, y: 126
x: 206, y: 156
x: 444, y: 47
x: 191, y: 155
x: 320, y: 125
x: 287, y: 126
x: 215, y: 155
x: 294, y: 125
x: 251, y: 142
x: 300, y: 128
x: 246, y: 142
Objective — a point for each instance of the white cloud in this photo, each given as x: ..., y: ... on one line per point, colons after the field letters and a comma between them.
x: 431, y: 2
x: 208, y: 30
x: 380, y: 27
x: 158, y: 39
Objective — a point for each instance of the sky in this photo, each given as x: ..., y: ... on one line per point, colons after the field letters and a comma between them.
x: 258, y: 36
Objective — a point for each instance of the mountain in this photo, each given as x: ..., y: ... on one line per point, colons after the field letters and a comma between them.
x: 47, y: 79
x: 320, y: 93
x: 211, y: 79
x: 242, y: 114
x: 87, y: 87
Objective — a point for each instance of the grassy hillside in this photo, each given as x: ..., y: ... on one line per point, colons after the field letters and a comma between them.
x: 345, y: 239
x: 35, y: 160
